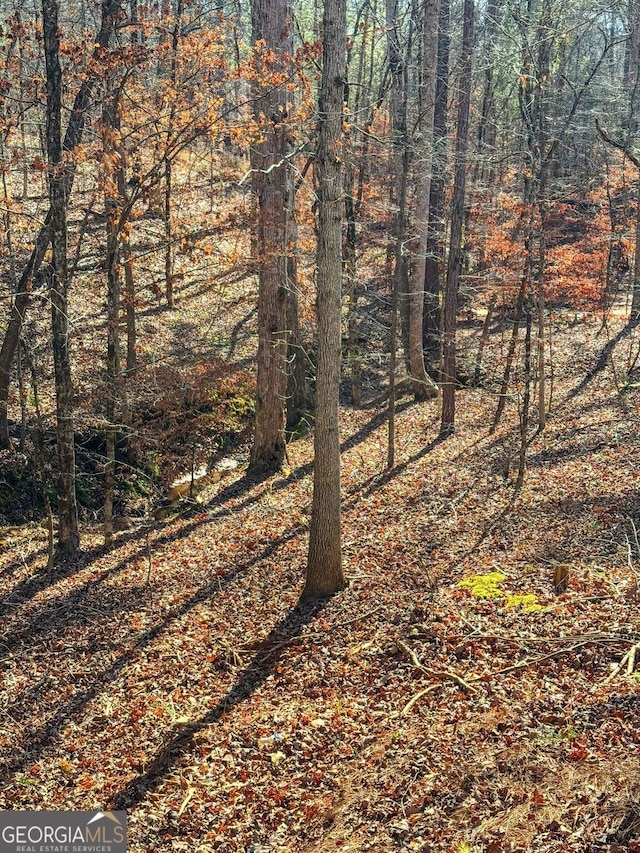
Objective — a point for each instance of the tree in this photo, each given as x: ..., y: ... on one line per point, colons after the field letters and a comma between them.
x: 435, y: 236
x: 324, y: 574
x: 454, y: 260
x: 423, y: 385
x: 272, y: 22
x: 68, y: 534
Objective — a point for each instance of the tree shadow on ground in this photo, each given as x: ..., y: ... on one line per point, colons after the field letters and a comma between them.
x: 236, y: 489
x: 29, y: 587
x: 244, y: 686
x: 603, y: 358
x: 46, y: 624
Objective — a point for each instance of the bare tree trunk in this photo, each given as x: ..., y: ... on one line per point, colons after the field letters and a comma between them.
x: 635, y: 295
x: 68, y: 534
x: 632, y: 84
x: 484, y: 337
x: 110, y: 122
x: 486, y: 132
x: 297, y: 403
x: 353, y: 289
x: 454, y: 264
x: 169, y: 276
x: 272, y: 183
x: 422, y: 385
x: 400, y: 166
x: 324, y: 574
x: 435, y: 237
x: 297, y: 391
x: 393, y: 359
x: 526, y: 399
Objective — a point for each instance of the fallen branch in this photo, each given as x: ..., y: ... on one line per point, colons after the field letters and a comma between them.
x: 447, y: 674
x: 629, y: 659
x: 531, y: 661
x: 417, y: 698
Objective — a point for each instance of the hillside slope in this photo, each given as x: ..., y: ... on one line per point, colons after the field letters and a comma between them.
x: 452, y: 698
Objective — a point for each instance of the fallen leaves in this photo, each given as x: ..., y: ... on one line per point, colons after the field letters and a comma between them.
x: 409, y: 712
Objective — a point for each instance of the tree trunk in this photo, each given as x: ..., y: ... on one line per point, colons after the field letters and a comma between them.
x: 297, y: 403
x: 169, y: 276
x: 486, y: 132
x: 297, y: 391
x: 399, y: 167
x: 324, y: 566
x: 113, y: 187
x: 454, y: 262
x: 73, y: 137
x: 272, y: 23
x: 43, y: 470
x: 68, y: 535
x: 635, y: 296
x: 422, y: 385
x: 435, y: 236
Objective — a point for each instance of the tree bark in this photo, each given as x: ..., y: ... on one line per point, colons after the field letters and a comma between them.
x: 324, y: 566
x: 400, y: 159
x: 113, y: 177
x: 68, y: 534
x: 272, y: 21
x: 435, y: 236
x: 422, y: 385
x: 454, y: 261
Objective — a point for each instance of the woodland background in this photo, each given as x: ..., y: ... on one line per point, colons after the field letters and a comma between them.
x: 341, y: 293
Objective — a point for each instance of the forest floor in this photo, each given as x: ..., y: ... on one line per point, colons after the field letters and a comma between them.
x: 474, y: 688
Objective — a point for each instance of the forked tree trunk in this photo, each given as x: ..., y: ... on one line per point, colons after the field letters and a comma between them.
x: 324, y: 566
x: 68, y: 534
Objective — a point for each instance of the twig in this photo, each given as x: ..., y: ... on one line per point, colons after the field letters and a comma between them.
x: 629, y: 659
x: 532, y: 661
x: 417, y: 698
x: 635, y: 535
x: 436, y: 673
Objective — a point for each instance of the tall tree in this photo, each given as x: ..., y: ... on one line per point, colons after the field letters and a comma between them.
x: 632, y: 87
x: 169, y: 251
x: 422, y: 385
x: 272, y: 35
x: 399, y: 166
x: 435, y: 237
x: 324, y: 574
x: 68, y: 535
x: 454, y: 261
